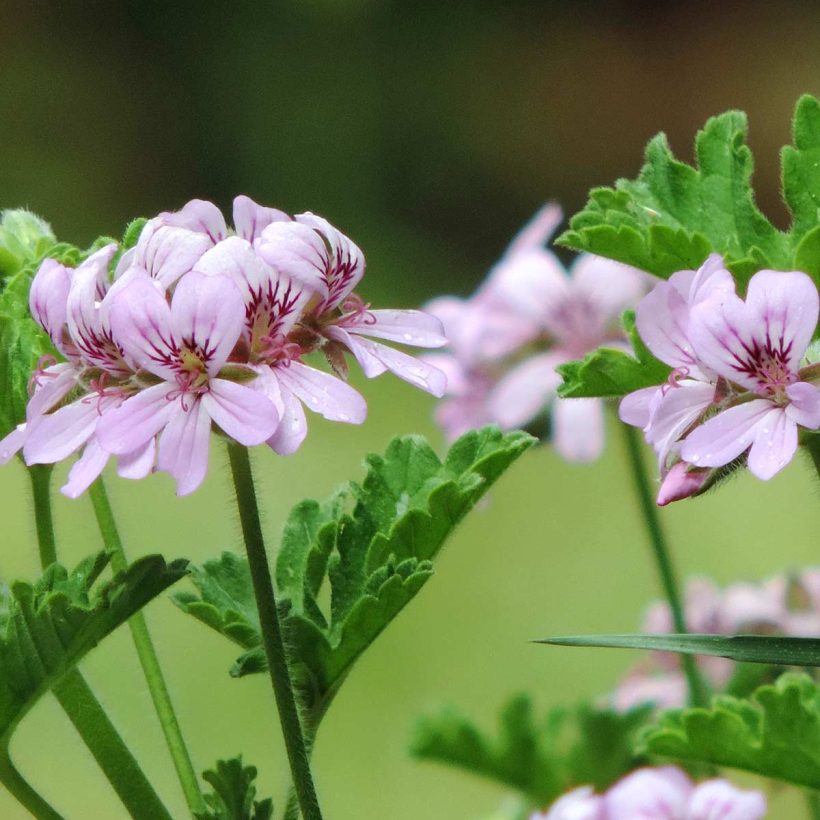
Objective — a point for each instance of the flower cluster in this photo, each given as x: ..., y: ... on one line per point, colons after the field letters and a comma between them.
x: 528, y: 317
x: 664, y: 793
x: 199, y: 327
x: 740, y: 385
x: 783, y: 605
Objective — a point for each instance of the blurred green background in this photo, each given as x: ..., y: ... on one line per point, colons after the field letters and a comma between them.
x: 429, y: 132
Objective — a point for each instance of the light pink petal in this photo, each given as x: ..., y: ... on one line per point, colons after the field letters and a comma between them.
x: 48, y: 297
x: 271, y: 297
x: 711, y: 277
x: 751, y: 608
x: 774, y: 445
x: 56, y: 436
x: 459, y: 414
x: 137, y: 420
x: 525, y: 391
x: 662, y: 319
x: 460, y: 381
x: 786, y: 306
x: 409, y: 327
x: 579, y: 804
x: 167, y: 252
x: 51, y: 387
x: 578, y: 429
x: 12, y: 443
x: 183, y: 447
x: 208, y: 311
x: 804, y: 408
x: 88, y: 286
x: 250, y: 219
x: 681, y: 482
x: 725, y: 436
x: 675, y: 412
x: 611, y: 286
x: 650, y: 794
x: 537, y: 231
x: 636, y: 407
x: 244, y: 414
x: 201, y: 216
x: 141, y: 323
x: 85, y: 470
x: 414, y: 371
x: 666, y: 691
x: 292, y: 428
x: 139, y: 463
x: 323, y: 393
x: 720, y: 800
x: 370, y: 363
x: 532, y: 283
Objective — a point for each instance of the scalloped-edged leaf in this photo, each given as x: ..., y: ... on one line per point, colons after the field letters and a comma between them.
x: 608, y: 372
x: 775, y: 733
x: 371, y: 543
x: 541, y: 757
x: 47, y: 627
x: 674, y: 214
x: 233, y: 793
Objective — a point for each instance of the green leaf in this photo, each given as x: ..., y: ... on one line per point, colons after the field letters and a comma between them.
x: 372, y: 543
x: 673, y: 215
x: 24, y: 238
x: 610, y: 372
x: 540, y: 757
x: 801, y: 168
x: 776, y: 733
x: 233, y: 793
x: 47, y: 627
x: 774, y: 650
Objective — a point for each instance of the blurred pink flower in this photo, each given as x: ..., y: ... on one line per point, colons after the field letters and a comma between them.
x: 528, y: 317
x: 663, y: 793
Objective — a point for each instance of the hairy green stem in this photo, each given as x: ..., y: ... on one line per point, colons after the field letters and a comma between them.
x: 698, y: 693
x: 272, y: 633
x: 148, y: 657
x: 813, y: 804
x: 79, y: 702
x: 26, y: 796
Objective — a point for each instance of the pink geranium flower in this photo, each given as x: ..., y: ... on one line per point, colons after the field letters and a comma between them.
x: 184, y: 347
x: 663, y: 793
x: 527, y: 318
x: 758, y: 345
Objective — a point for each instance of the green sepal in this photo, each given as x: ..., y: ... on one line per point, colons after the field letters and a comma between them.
x: 775, y: 733
x: 372, y: 542
x: 47, y: 627
x: 233, y: 793
x: 610, y: 372
x: 24, y: 238
x: 541, y: 757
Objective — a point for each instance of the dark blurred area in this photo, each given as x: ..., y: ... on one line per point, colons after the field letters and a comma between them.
x: 428, y: 131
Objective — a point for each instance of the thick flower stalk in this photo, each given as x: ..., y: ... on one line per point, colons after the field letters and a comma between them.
x: 664, y: 793
x: 782, y: 605
x: 528, y: 317
x: 198, y: 328
x: 740, y: 387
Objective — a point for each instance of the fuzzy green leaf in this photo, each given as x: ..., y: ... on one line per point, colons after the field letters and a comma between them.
x: 768, y: 649
x: 372, y: 542
x: 233, y: 793
x: 540, y: 757
x: 610, y: 372
x: 47, y: 627
x: 673, y: 215
x: 776, y: 733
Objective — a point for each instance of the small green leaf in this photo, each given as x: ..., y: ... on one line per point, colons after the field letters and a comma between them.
x: 540, y: 757
x: 807, y: 255
x: 372, y: 543
x: 24, y: 238
x: 610, y: 372
x: 132, y: 233
x: 47, y: 627
x: 233, y: 793
x: 774, y: 650
x: 776, y: 733
x: 801, y: 168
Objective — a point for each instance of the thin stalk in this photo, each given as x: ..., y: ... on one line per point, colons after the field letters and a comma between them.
x: 148, y: 658
x: 663, y: 559
x: 79, y: 702
x: 813, y: 804
x: 26, y: 796
x: 272, y: 633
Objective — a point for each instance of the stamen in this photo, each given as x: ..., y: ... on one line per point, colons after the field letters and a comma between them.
x: 356, y: 311
x: 40, y: 368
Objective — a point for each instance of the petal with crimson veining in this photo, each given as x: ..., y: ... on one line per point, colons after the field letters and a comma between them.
x: 48, y: 297
x: 250, y: 218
